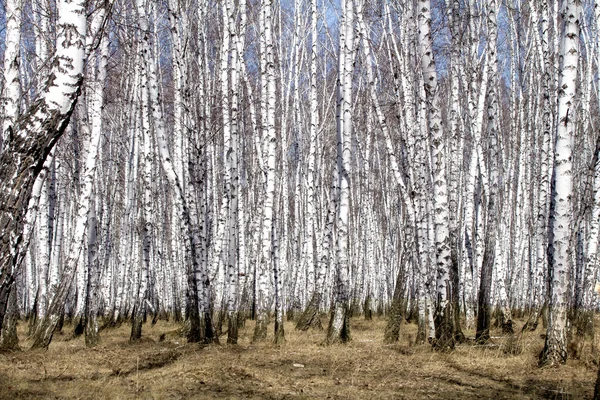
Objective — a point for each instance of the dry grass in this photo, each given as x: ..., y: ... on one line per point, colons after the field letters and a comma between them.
x: 302, y: 368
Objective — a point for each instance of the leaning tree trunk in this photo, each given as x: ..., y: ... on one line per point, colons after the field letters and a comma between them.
x: 8, y: 337
x: 46, y: 327
x: 29, y: 141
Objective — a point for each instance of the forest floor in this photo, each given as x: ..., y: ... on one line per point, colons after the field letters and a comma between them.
x: 365, y: 368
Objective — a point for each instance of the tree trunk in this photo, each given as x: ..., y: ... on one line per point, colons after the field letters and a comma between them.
x: 597, y: 386
x: 279, y: 337
x: 339, y: 324
x: 29, y: 141
x: 561, y: 207
x: 269, y: 137
x: 92, y: 338
x: 396, y: 316
x: 8, y: 337
x: 444, y: 312
x: 12, y: 58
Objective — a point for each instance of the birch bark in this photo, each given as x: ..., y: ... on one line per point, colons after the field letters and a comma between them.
x: 30, y: 139
x: 561, y: 206
x: 339, y: 323
x: 310, y: 316
x: 269, y: 143
x: 444, y: 315
x: 12, y: 86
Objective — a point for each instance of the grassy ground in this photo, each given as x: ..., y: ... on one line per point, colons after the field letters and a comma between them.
x: 302, y: 368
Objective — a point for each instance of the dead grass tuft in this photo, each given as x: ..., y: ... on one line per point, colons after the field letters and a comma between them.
x: 513, y: 344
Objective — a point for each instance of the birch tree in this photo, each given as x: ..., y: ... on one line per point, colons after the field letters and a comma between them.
x: 339, y: 323
x: 12, y: 87
x: 543, y: 197
x: 30, y: 139
x: 269, y: 144
x: 493, y: 200
x: 561, y: 206
x: 47, y: 326
x: 444, y: 314
x: 310, y: 317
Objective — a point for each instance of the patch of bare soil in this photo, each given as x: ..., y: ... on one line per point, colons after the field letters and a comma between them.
x: 163, y: 366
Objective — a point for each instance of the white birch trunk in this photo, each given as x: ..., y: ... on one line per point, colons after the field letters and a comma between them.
x: 12, y: 86
x: 233, y: 190
x: 561, y: 207
x: 59, y: 98
x: 269, y: 144
x: 145, y: 139
x: 591, y: 268
x: 339, y: 324
x: 444, y: 312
